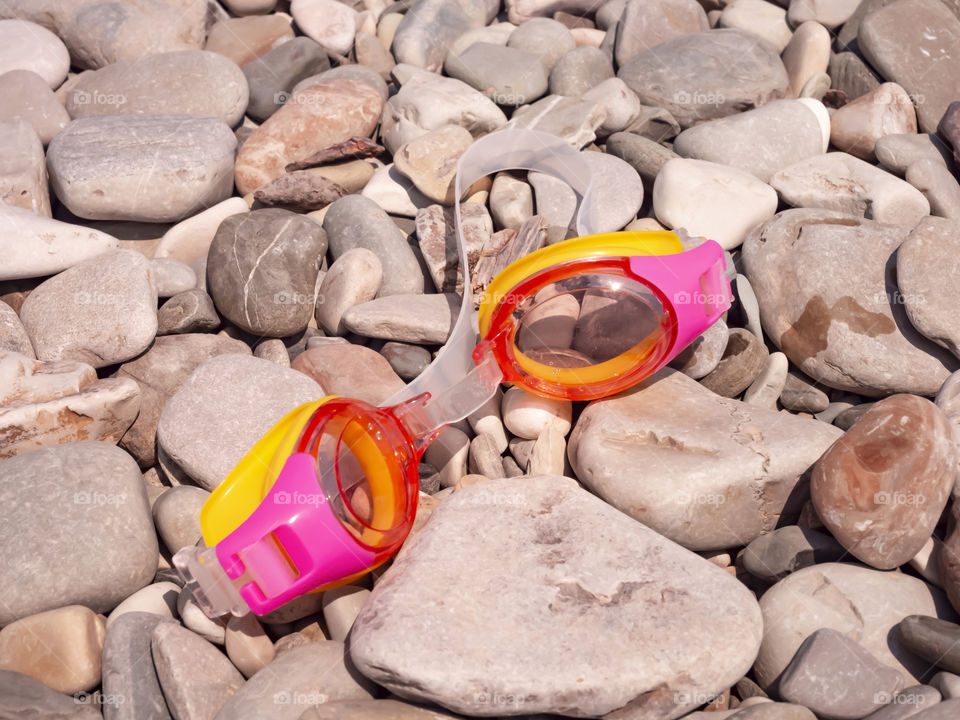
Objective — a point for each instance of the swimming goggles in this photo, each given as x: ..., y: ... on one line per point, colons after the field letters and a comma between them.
x: 330, y: 492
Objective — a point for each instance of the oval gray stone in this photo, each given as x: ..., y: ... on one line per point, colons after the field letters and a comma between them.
x: 689, y: 75
x: 579, y: 70
x: 405, y: 318
x: 200, y: 428
x: 272, y: 76
x: 95, y: 544
x: 262, y: 270
x: 207, y: 83
x: 506, y: 75
x: 356, y: 221
x: 587, y: 577
x: 147, y: 168
x: 129, y: 677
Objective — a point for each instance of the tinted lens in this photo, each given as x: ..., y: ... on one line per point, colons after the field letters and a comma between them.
x: 586, y: 320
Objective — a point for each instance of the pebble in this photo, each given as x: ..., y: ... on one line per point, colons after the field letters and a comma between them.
x: 448, y: 454
x: 422, y: 37
x: 247, y: 644
x: 341, y: 606
x: 101, y: 311
x: 689, y: 76
x: 619, y: 191
x: 763, y: 19
x: 620, y: 102
x: 837, y: 677
x: 932, y: 639
x: 129, y: 676
x: 712, y: 200
x: 948, y: 684
x: 907, y: 703
x: 851, y: 75
x: 21, y: 697
x: 210, y: 629
x: 208, y: 84
x: 313, y: 119
x: 196, y: 678
x: 830, y: 13
x: 315, y: 673
x: 426, y: 319
x: 270, y: 290
x: 821, y: 279
x: 145, y: 168
x: 776, y: 554
x: 189, y: 240
x: 206, y: 403
x: 806, y: 55
x: 511, y: 201
x: 23, y: 173
x: 573, y: 119
x: 749, y: 305
x: 896, y: 39
x: 801, y: 394
x: 549, y: 452
x: 897, y: 152
x: 496, y: 34
x: 356, y: 73
x: 176, y: 514
x: 646, y: 156
x: 768, y: 385
x: 250, y: 7
x: 13, y: 336
x: 508, y: 76
x: 427, y: 101
x: 484, y: 457
x: 924, y: 266
x: 371, y: 53
x: 331, y: 24
x: 35, y: 246
x: 546, y: 38
x: 579, y: 70
x: 159, y: 598
x: 938, y: 185
x: 95, y: 504
x: 437, y: 239
x: 171, y: 276
x: 430, y: 161
x: 742, y: 362
x: 885, y: 110
x: 272, y: 76
x: 843, y: 597
x: 245, y: 39
x: 29, y: 46
x: 350, y: 371
x: 527, y: 415
x: 408, y: 361
x: 29, y: 97
x: 706, y: 482
x: 644, y: 25
x: 159, y: 373
x: 562, y: 526
x: 949, y: 127
x: 356, y: 221
x: 191, y: 311
x: 753, y: 140
x: 60, y: 648
x: 704, y: 354
x: 839, y: 181
x: 353, y: 278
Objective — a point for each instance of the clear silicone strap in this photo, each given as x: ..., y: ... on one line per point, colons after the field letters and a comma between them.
x: 456, y: 384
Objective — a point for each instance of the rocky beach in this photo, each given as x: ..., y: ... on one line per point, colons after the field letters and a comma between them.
x: 215, y: 211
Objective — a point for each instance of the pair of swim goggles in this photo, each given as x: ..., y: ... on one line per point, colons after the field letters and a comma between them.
x: 330, y: 492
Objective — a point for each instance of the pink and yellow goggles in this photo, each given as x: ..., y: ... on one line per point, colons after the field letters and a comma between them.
x: 330, y: 492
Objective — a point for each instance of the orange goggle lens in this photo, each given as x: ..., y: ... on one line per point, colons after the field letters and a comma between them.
x: 581, y: 330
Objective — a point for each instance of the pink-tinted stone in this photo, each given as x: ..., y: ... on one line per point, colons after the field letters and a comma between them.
x: 352, y: 371
x: 880, y: 488
x: 313, y: 119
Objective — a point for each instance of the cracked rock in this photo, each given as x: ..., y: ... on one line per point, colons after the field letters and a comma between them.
x: 569, y: 607
x: 706, y: 471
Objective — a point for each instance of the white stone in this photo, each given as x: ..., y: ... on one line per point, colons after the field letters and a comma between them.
x: 395, y: 193
x: 172, y: 276
x: 485, y: 420
x: 527, y: 415
x: 27, y: 46
x: 340, y: 608
x: 354, y: 278
x: 332, y: 24
x: 620, y: 102
x: 157, y: 599
x: 248, y: 646
x: 448, y: 454
x: 212, y: 629
x: 189, y: 240
x: 759, y: 17
x: 766, y: 389
x: 711, y: 200
x: 33, y: 246
x: 619, y: 191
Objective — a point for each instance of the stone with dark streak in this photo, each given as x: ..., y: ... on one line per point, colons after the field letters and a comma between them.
x: 564, y: 601
x: 880, y: 489
x: 828, y: 299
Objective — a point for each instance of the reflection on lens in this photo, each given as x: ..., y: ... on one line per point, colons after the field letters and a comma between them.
x: 586, y: 320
